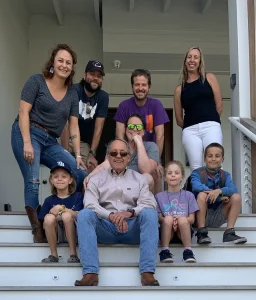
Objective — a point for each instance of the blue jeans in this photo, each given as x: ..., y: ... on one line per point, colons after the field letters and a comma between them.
x: 47, y: 151
x: 143, y: 230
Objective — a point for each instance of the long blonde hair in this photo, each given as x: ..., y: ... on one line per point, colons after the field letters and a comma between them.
x: 184, y: 71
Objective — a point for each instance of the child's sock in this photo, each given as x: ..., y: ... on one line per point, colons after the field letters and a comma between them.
x: 165, y: 248
x: 187, y: 248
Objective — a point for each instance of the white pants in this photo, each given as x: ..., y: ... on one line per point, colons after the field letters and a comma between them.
x: 196, y: 138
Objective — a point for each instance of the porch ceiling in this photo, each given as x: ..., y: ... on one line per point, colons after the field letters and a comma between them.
x: 86, y: 7
x: 176, y: 25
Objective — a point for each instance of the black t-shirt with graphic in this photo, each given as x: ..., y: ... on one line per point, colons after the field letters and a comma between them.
x: 90, y: 109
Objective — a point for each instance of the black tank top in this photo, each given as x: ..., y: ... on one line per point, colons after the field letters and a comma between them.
x: 197, y: 100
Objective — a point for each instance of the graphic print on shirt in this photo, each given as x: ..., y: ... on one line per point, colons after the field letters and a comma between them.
x: 86, y: 111
x: 174, y: 208
x: 149, y: 123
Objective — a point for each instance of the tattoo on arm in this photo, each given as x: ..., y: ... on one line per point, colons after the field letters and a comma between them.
x: 73, y: 137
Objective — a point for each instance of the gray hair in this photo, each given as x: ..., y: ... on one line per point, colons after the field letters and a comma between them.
x: 117, y: 139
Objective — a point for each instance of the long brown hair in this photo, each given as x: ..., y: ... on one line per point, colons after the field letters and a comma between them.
x: 71, y: 186
x: 184, y: 71
x: 50, y: 62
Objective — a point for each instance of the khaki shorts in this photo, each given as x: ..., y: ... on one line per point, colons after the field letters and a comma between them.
x: 84, y: 148
x: 61, y: 235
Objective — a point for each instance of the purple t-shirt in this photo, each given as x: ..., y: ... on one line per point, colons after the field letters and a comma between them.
x: 152, y: 111
x: 182, y: 203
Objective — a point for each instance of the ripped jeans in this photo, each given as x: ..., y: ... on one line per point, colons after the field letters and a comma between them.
x: 47, y: 151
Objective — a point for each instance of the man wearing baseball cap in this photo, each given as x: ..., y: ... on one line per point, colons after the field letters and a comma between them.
x: 93, y: 109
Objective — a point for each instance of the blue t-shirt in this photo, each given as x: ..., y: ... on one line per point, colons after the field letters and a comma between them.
x: 74, y: 202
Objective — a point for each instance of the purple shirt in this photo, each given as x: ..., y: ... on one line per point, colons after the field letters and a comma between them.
x: 182, y: 203
x: 152, y: 111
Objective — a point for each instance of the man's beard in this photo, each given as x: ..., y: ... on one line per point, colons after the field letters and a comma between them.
x: 89, y: 88
x: 140, y: 99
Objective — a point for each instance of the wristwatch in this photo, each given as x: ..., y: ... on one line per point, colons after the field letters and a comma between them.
x: 132, y: 211
x: 93, y: 152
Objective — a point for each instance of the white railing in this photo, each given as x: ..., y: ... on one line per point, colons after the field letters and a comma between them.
x: 236, y: 122
x: 246, y: 168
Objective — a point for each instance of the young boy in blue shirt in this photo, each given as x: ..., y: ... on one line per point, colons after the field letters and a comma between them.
x: 218, y: 201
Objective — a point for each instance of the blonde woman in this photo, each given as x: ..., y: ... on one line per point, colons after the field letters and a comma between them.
x: 198, y: 106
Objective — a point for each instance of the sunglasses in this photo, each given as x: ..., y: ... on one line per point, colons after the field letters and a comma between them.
x: 115, y: 153
x: 139, y: 127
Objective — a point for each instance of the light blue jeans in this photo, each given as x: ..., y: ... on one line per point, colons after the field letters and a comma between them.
x: 143, y: 230
x: 47, y: 151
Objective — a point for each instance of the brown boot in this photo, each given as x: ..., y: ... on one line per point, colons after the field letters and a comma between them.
x: 37, y: 225
x: 89, y: 279
x: 147, y: 278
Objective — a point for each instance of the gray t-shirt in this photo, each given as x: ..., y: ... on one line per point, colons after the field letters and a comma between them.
x: 152, y: 152
x: 46, y: 111
x: 182, y: 203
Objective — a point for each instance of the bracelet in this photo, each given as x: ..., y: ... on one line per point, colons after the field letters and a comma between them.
x: 79, y: 156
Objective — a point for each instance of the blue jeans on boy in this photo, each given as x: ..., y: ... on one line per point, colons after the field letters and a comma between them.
x: 47, y: 151
x: 143, y: 230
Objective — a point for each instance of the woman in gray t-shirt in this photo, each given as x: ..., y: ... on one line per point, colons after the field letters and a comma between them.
x: 47, y: 103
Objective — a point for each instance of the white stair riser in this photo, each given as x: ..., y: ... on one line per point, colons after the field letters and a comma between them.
x: 22, y: 220
x: 130, y: 294
x: 25, y: 236
x: 129, y: 276
x: 130, y: 254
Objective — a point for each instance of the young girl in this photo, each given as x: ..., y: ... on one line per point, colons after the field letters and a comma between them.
x: 176, y: 210
x: 59, y: 212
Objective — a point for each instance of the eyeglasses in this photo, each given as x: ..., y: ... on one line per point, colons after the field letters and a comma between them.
x: 115, y: 153
x: 139, y: 127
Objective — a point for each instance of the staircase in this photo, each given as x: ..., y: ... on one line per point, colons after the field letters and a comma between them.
x: 221, y: 272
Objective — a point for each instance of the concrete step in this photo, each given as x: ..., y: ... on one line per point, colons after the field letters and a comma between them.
x: 13, y: 252
x: 22, y: 234
x: 198, y: 292
x: 20, y: 219
x: 127, y: 274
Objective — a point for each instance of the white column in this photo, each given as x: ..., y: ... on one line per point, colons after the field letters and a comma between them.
x: 240, y: 99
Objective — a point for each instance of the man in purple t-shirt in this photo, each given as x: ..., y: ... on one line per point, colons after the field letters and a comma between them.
x: 150, y: 109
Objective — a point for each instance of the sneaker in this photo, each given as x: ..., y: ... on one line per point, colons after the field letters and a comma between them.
x: 229, y: 236
x: 166, y: 256
x: 188, y: 256
x: 202, y: 236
